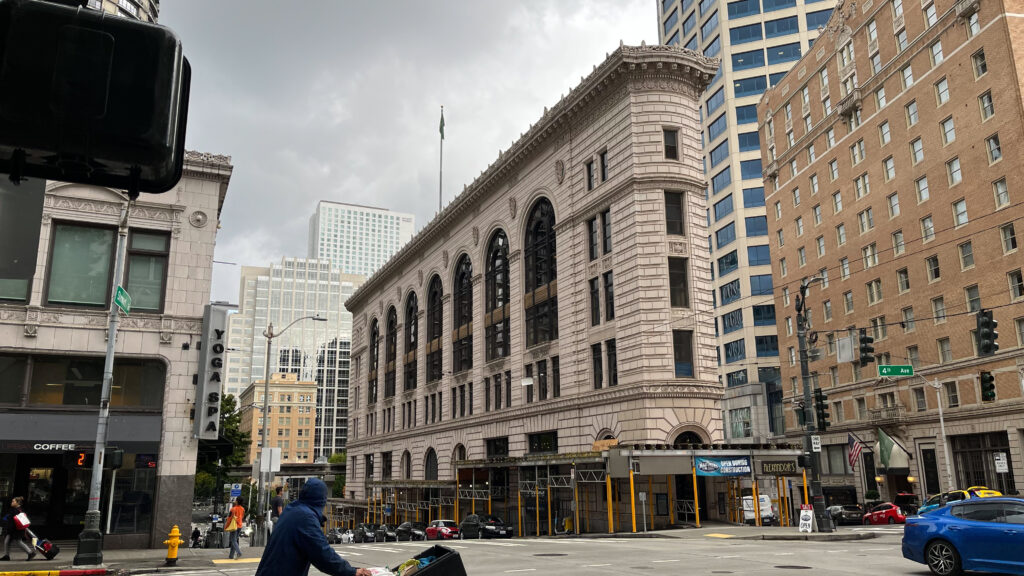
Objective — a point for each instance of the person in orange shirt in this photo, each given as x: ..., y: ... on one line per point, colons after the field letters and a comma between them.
x: 235, y: 517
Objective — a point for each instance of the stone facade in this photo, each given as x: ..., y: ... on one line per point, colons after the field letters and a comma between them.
x: 33, y: 328
x: 926, y: 233
x: 617, y: 117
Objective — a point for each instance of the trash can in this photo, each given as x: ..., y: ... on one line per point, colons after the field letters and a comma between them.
x: 446, y: 562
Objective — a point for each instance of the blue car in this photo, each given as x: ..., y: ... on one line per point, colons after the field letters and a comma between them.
x: 977, y: 534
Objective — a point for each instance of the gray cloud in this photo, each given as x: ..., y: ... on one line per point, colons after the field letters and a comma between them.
x: 339, y: 100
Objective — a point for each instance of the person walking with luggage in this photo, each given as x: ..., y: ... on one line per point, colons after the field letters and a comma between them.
x: 234, y: 527
x: 15, y: 530
x: 298, y: 541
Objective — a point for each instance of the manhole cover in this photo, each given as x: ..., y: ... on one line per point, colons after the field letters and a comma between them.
x: 793, y: 567
x: 550, y: 554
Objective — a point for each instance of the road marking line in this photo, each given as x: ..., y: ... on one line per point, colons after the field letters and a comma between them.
x: 835, y: 551
x: 234, y: 561
x: 784, y: 553
x: 656, y: 561
x: 595, y: 565
x: 731, y: 556
x: 715, y: 535
x: 521, y: 570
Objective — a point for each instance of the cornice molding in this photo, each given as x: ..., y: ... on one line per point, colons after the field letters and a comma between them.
x: 644, y: 64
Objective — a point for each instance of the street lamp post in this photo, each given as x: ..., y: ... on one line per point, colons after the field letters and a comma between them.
x: 817, y: 499
x: 261, y: 499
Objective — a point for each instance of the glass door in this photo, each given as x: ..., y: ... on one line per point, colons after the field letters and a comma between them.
x: 38, y: 495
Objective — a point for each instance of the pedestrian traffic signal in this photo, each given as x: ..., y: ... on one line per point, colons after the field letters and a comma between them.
x: 867, y: 351
x: 801, y: 415
x: 988, y: 386
x: 986, y: 326
x: 803, y: 461
x: 821, y: 409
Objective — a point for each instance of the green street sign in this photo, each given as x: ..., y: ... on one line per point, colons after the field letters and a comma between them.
x: 884, y: 370
x: 123, y: 300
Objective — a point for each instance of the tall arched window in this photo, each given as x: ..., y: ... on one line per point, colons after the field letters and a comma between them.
x: 462, y: 316
x: 541, y: 285
x: 371, y: 387
x: 390, y: 353
x: 430, y: 465
x: 412, y: 310
x: 406, y: 466
x: 435, y: 317
x: 496, y: 302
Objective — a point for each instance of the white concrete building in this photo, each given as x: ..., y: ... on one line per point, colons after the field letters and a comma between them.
x: 357, y: 239
x: 53, y: 339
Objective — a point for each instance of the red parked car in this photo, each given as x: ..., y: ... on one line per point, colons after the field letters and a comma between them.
x: 885, y: 513
x: 442, y: 530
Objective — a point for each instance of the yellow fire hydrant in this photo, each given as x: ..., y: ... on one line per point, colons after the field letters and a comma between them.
x: 173, y: 541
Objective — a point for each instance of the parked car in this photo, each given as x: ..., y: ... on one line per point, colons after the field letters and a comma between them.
x: 483, y: 526
x: 442, y: 530
x: 411, y: 531
x: 334, y: 536
x: 765, y: 507
x: 847, y: 513
x: 365, y: 533
x: 385, y: 533
x: 907, y: 502
x: 940, y: 500
x: 975, y: 534
x: 885, y: 513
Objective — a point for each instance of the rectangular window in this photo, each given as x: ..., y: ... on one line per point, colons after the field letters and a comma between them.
x: 1016, y: 280
x: 602, y: 159
x: 613, y: 367
x: 908, y: 319
x: 735, y: 351
x: 756, y: 226
x: 952, y: 394
x: 758, y: 256
x: 1002, y: 194
x: 995, y: 152
x: 679, y: 290
x: 980, y: 64
x: 730, y: 292
x: 606, y: 227
x: 732, y: 321
x: 939, y: 310
x: 595, y: 302
x: 933, y: 269
x: 80, y: 265
x: 960, y: 212
x: 966, y: 255
x: 761, y: 285
x: 671, y: 144
x: 866, y: 220
x: 927, y: 229
x: 725, y: 235
x: 592, y: 236
x: 844, y: 268
x: 1009, y: 237
x: 674, y: 213
x: 911, y: 111
x: 589, y: 169
x: 862, y: 186
x: 898, y: 246
x: 987, y: 107
x: 723, y: 208
x: 948, y: 130
x: 820, y: 241
x: 916, y: 150
x: 874, y: 289
x: 953, y: 172
x: 921, y: 185
x: 841, y: 234
x: 609, y: 296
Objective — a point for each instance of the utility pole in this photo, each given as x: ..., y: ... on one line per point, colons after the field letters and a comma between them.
x: 817, y: 499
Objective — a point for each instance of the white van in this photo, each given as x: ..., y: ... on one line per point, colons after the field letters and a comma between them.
x: 769, y: 515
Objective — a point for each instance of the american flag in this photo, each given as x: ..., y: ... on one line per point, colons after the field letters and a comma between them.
x: 855, y: 448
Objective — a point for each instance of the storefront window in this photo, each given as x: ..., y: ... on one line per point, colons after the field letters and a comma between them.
x: 78, y: 381
x: 12, y: 378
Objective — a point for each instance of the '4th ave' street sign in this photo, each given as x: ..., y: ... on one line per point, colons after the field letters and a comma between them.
x: 895, y: 370
x: 123, y: 300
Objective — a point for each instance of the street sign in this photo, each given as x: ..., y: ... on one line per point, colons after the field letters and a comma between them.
x: 1002, y: 467
x: 236, y: 490
x: 806, y: 519
x: 895, y: 370
x: 227, y: 486
x: 815, y: 443
x: 643, y: 496
x: 846, y: 349
x: 123, y: 300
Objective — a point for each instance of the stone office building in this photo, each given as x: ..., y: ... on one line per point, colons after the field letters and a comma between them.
x: 52, y: 343
x: 892, y: 173
x: 563, y: 299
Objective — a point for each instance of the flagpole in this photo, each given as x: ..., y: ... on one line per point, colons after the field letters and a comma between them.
x: 440, y: 170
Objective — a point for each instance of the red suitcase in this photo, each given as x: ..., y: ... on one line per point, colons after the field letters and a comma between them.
x: 48, y: 549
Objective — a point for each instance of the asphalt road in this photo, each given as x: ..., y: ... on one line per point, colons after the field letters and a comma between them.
x: 701, y: 555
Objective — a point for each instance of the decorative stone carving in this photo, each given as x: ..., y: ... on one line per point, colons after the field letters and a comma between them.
x: 559, y: 171
x: 476, y: 236
x: 50, y: 317
x: 206, y: 157
x: 198, y: 219
x: 31, y: 330
x: 444, y: 259
x: 165, y: 338
x: 419, y: 277
x: 512, y: 208
x: 398, y: 293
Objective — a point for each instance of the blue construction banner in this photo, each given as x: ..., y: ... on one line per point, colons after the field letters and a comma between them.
x: 738, y: 466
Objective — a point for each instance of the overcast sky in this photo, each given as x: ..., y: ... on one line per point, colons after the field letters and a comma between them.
x: 340, y: 100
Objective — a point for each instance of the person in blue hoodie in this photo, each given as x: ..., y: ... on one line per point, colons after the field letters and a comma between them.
x: 297, y: 540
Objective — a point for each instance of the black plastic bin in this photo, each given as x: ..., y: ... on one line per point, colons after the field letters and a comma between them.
x: 447, y: 562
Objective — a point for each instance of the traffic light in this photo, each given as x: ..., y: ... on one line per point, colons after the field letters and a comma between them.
x: 988, y: 386
x: 821, y: 409
x: 801, y: 414
x: 803, y: 461
x: 867, y: 351
x: 987, y: 334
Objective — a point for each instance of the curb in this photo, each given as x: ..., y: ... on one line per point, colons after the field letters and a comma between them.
x: 822, y: 538
x: 66, y: 572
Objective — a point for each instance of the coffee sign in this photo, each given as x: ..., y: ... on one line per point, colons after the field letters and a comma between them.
x: 211, y: 366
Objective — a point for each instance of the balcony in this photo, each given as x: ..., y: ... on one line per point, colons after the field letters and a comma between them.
x: 965, y: 8
x: 849, y: 103
x: 887, y: 415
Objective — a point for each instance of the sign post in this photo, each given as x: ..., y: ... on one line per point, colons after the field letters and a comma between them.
x: 643, y: 502
x: 815, y: 443
x: 895, y: 370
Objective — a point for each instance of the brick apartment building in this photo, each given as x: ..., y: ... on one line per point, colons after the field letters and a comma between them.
x: 892, y: 155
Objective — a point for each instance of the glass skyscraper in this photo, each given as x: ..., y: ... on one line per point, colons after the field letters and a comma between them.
x: 357, y: 239
x: 758, y: 41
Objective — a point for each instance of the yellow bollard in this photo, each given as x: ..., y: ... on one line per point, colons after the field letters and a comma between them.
x: 632, y: 500
x: 611, y: 517
x: 519, y: 511
x: 696, y: 498
x: 650, y: 498
x: 671, y: 501
x: 757, y: 506
x: 173, y: 541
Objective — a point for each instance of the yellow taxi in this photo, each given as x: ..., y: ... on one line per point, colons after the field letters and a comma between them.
x: 940, y: 500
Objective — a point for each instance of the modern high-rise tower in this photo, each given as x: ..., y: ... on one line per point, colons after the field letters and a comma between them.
x: 357, y: 239
x: 758, y: 41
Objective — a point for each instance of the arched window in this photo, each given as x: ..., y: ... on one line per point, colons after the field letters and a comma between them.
x: 496, y: 321
x: 371, y: 388
x: 541, y: 285
x: 688, y: 437
x: 406, y: 466
x: 390, y: 353
x: 430, y: 465
x: 412, y: 310
x: 435, y: 318
x: 462, y: 316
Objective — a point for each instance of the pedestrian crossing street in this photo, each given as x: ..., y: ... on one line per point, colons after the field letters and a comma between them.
x: 403, y: 547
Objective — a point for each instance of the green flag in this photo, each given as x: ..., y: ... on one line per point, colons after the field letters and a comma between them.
x: 441, y: 128
x: 885, y: 444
